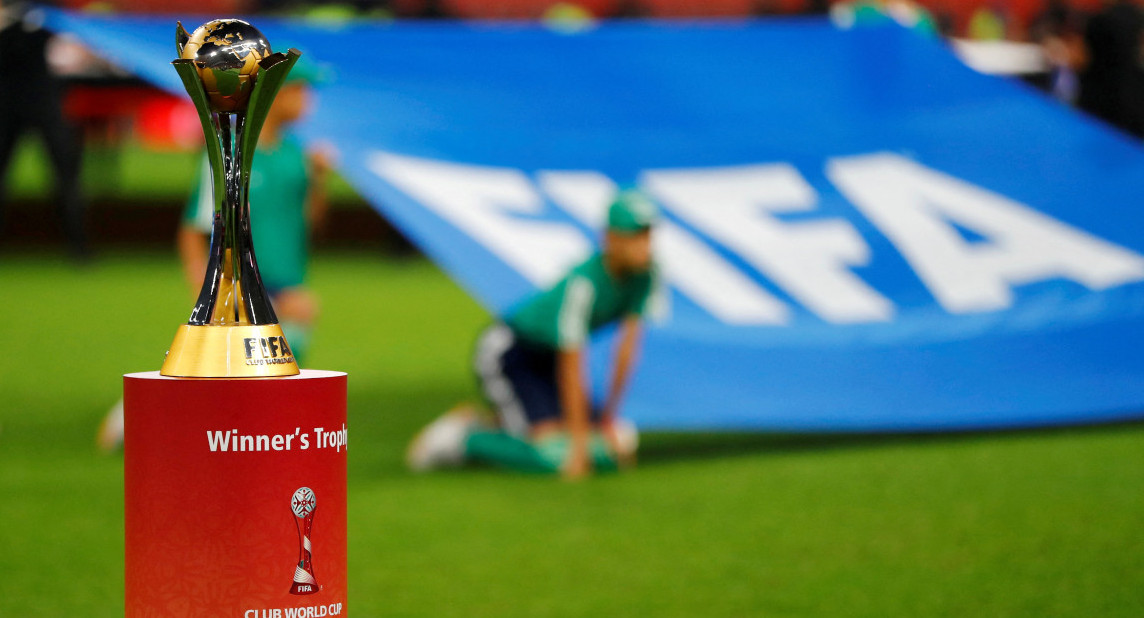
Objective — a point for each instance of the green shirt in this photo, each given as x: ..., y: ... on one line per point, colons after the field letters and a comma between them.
x: 278, y: 226
x: 587, y: 298
x: 861, y: 13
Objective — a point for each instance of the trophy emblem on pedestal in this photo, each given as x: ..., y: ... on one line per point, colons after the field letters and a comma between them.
x: 303, y: 504
x: 232, y: 76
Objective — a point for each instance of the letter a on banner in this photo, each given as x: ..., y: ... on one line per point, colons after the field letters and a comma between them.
x: 913, y: 206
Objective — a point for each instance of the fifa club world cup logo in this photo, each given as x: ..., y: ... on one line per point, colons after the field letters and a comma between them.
x: 303, y: 504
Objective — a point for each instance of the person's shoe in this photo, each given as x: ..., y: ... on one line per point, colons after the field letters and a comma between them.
x: 110, y: 435
x: 441, y: 444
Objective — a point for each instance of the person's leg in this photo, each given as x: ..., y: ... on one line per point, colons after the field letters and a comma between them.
x: 444, y: 442
x: 496, y: 350
x: 65, y: 154
x: 543, y: 455
x: 498, y: 448
x: 9, y: 134
x: 297, y: 311
x: 523, y: 380
x: 456, y: 438
x: 519, y: 383
x: 520, y: 386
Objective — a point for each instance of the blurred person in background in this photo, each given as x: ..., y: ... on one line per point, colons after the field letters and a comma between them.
x: 816, y: 7
x: 31, y: 102
x: 532, y: 366
x: 630, y: 9
x: 906, y: 13
x: 989, y: 22
x: 1112, y: 84
x: 287, y: 204
x: 434, y: 9
x: 1058, y: 30
x: 765, y: 8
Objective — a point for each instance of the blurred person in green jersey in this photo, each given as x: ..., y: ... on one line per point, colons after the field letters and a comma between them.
x: 532, y: 365
x: 287, y: 203
x: 863, y: 13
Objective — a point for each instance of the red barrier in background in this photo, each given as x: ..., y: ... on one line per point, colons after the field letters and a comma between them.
x: 235, y: 496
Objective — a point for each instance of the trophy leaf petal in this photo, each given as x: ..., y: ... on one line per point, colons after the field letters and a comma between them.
x: 181, y: 37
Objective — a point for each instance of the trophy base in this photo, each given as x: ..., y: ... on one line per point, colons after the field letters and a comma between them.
x: 210, y: 471
x: 229, y: 352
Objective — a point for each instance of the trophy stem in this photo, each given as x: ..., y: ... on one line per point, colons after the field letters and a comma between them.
x: 235, y: 308
x: 232, y: 292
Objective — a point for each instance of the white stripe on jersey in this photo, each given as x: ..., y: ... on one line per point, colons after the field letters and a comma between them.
x: 657, y: 308
x: 575, y: 312
x: 491, y: 346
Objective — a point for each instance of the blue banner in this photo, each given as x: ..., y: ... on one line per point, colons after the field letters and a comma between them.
x: 861, y: 233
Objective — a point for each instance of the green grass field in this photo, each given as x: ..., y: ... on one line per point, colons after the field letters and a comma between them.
x: 1046, y: 523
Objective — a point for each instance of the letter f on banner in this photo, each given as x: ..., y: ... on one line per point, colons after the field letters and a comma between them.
x: 913, y: 206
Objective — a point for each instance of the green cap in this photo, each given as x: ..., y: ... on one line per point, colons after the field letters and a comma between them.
x: 631, y: 212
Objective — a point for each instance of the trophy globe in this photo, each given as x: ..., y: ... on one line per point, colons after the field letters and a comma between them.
x: 226, y: 53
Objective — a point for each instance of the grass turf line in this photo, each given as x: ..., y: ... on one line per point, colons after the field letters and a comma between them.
x: 1031, y: 523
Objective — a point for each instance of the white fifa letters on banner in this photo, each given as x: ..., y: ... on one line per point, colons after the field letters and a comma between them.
x: 917, y: 208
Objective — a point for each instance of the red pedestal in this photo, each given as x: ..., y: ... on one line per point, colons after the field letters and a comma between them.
x: 219, y: 519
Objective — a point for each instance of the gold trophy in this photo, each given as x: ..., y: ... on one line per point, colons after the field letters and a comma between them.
x: 232, y: 75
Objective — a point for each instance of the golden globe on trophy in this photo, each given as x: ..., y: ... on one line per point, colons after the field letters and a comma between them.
x: 232, y: 76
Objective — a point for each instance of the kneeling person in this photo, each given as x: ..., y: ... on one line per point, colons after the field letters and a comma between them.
x: 532, y: 366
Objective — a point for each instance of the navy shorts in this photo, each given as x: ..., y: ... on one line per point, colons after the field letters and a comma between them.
x: 518, y: 379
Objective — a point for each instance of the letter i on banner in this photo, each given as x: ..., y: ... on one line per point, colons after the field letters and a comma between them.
x: 689, y: 266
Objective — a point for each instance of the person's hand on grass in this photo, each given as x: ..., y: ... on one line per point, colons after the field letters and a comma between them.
x: 578, y: 465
